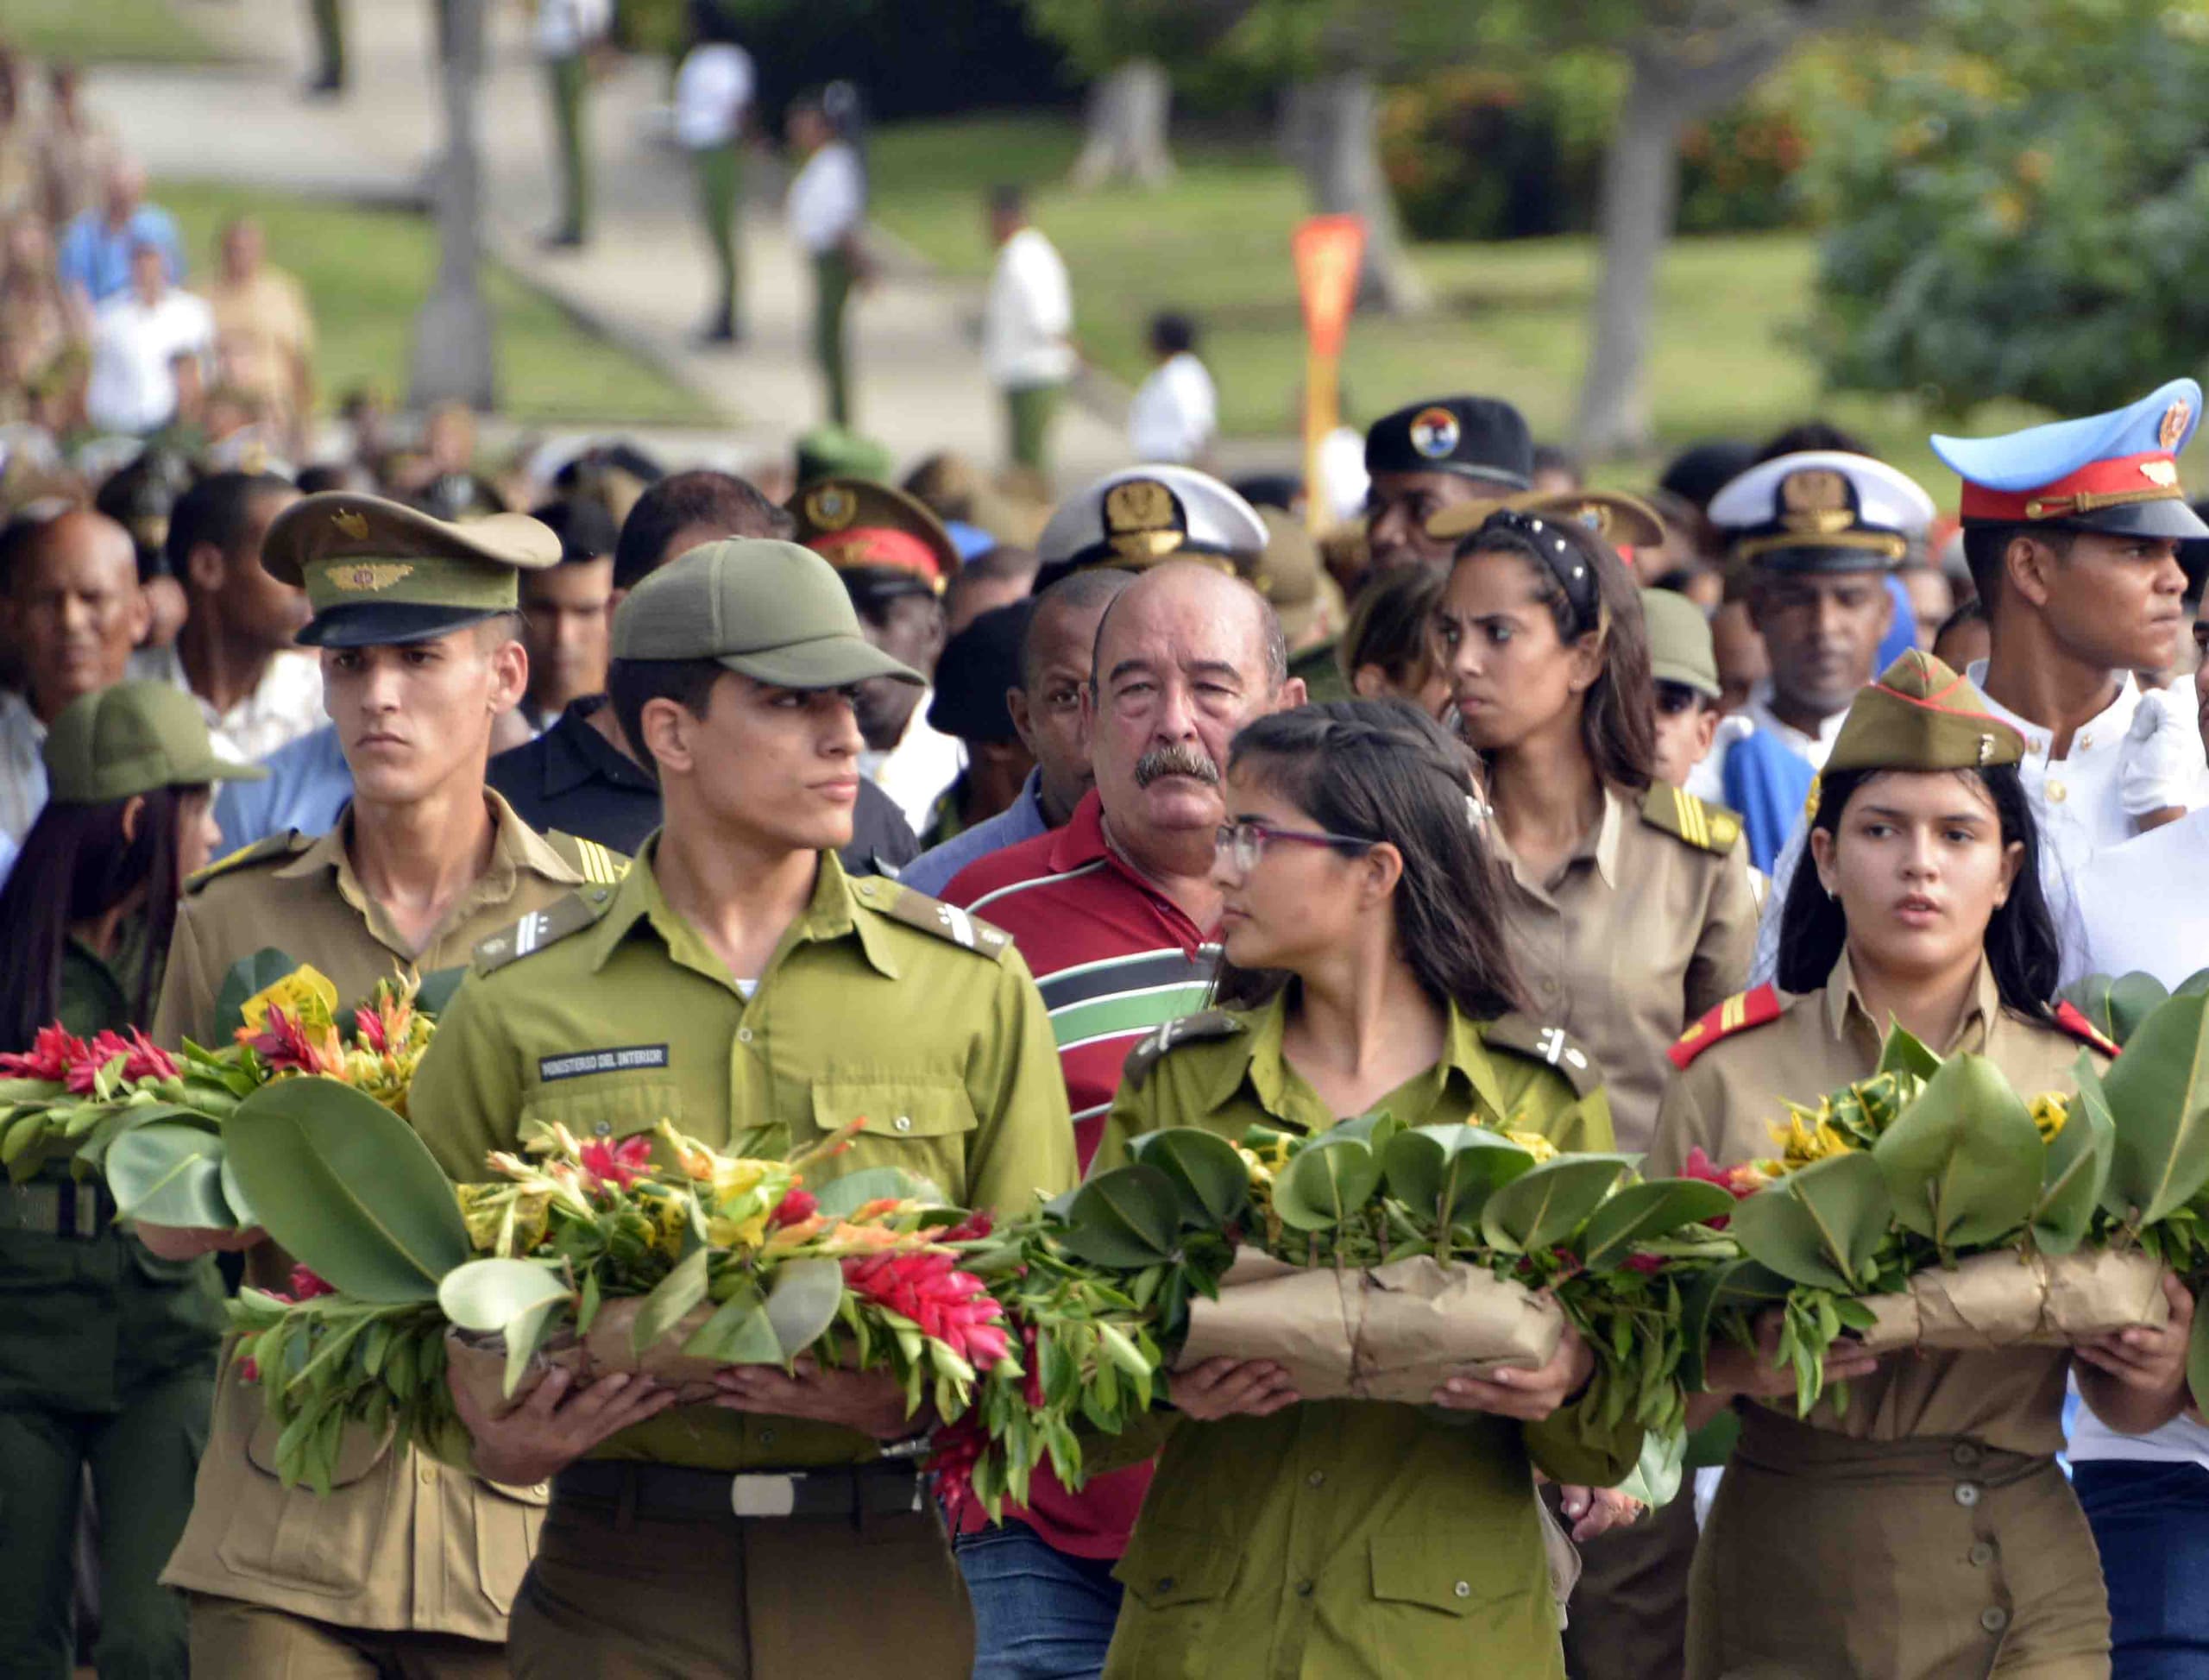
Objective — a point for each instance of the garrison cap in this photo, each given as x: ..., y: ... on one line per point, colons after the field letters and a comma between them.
x: 884, y: 541
x: 831, y: 451
x: 1622, y: 521
x: 978, y: 665
x: 131, y: 738
x: 1920, y: 715
x: 771, y: 610
x: 378, y: 571
x: 1680, y: 648
x: 1482, y: 438
x: 1822, y: 511
x: 1138, y: 517
x: 2116, y: 472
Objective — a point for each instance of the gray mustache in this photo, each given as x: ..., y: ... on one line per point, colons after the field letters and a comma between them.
x: 1176, y: 760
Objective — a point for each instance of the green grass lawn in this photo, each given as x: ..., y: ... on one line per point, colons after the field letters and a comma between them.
x: 1511, y: 317
x: 104, y: 31
x: 365, y: 272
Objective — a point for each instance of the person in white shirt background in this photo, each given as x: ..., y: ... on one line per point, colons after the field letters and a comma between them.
x: 1175, y: 413
x: 566, y: 32
x: 138, y: 338
x: 714, y: 90
x: 1026, y: 348
x: 827, y: 211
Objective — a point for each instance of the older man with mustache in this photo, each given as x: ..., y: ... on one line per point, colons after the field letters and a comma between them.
x: 1117, y: 917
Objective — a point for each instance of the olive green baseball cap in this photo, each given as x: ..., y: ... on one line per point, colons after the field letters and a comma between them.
x: 1680, y: 648
x: 772, y: 610
x: 378, y: 572
x: 130, y: 738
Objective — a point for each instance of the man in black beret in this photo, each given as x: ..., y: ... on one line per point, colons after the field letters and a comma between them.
x: 1430, y: 454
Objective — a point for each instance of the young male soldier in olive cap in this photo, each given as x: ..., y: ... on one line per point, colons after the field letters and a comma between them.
x: 406, y: 1566
x: 746, y: 982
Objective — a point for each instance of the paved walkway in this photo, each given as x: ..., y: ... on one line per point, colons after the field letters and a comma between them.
x: 645, y: 279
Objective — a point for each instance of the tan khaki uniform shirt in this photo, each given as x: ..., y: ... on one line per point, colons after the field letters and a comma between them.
x: 262, y: 327
x: 1727, y: 1100
x: 1649, y: 923
x: 401, y: 1542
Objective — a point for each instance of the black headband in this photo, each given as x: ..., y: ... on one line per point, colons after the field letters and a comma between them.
x: 1564, y: 560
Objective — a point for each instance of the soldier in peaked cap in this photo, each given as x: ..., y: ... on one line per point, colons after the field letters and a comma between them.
x: 407, y: 1566
x: 1817, y: 531
x: 783, y: 1531
x: 1919, y: 1526
x: 1429, y: 455
x: 1134, y: 519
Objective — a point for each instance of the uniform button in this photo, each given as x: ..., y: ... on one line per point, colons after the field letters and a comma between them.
x: 766, y: 1438
x: 1463, y: 1589
x: 1165, y: 1584
x: 744, y: 1035
x: 1994, y: 1618
x: 599, y: 896
x: 1304, y: 1589
x: 604, y: 1129
x: 903, y: 1122
x: 1966, y: 1493
x: 1964, y: 1454
x: 2085, y: 741
x: 1315, y: 1479
x: 1981, y: 1555
x: 2058, y: 792
x: 429, y: 1473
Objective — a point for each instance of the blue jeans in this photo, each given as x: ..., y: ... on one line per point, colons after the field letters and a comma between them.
x: 1039, y: 1613
x: 2151, y: 1521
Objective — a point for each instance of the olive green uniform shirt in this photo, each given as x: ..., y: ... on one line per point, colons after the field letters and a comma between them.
x: 401, y: 1542
x: 1728, y: 1099
x: 1651, y: 921
x: 1344, y: 1537
x: 878, y: 1005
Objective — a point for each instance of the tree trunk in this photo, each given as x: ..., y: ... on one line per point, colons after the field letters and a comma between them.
x: 452, y: 331
x: 1126, y: 137
x: 1329, y: 132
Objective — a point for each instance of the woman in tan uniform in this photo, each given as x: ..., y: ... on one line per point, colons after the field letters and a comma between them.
x: 1924, y: 1530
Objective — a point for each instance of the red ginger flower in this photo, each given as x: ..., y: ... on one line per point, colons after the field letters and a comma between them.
x: 1739, y: 1182
x: 306, y: 1285
x: 796, y: 1206
x: 368, y: 1026
x: 51, y: 1055
x: 141, y: 1059
x: 617, y: 1165
x: 954, y: 1450
x: 926, y: 1287
x: 286, y: 1046
x: 1647, y: 1264
x: 972, y: 1228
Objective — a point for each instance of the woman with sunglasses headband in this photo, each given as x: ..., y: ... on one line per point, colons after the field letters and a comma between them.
x: 1628, y: 906
x: 1365, y: 969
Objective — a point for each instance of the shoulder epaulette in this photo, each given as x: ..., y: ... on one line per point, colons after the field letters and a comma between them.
x: 1552, y: 1045
x: 932, y: 916
x: 289, y: 844
x: 1681, y: 815
x: 1743, y: 1010
x: 1206, y: 1023
x: 563, y: 916
x: 600, y: 866
x: 2067, y: 1018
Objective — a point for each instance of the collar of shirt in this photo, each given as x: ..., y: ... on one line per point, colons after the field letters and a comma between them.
x: 576, y: 754
x: 1083, y: 841
x: 1846, y: 1016
x: 1285, y: 1094
x: 2100, y: 738
x: 1600, y: 845
x: 1811, y: 747
x: 831, y: 914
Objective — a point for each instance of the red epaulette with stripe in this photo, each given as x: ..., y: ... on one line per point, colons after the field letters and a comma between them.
x: 2069, y: 1020
x: 1743, y: 1010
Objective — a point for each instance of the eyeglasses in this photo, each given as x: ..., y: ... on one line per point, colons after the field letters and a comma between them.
x: 1674, y: 698
x: 1245, y: 843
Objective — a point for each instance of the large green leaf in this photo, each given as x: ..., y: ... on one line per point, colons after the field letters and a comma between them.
x: 488, y: 1295
x: 2078, y: 1167
x: 673, y: 1295
x: 247, y: 976
x: 2158, y: 1094
x: 345, y: 1184
x: 1542, y: 1208
x: 1213, y: 1179
x: 739, y: 1333
x: 234, y: 1196
x: 1467, y: 1163
x: 1374, y: 1130
x: 803, y: 1303
x: 129, y: 1119
x: 1905, y: 1053
x: 1325, y: 1184
x: 169, y: 1175
x: 2193, y: 986
x: 1643, y: 1213
x: 1822, y: 1225
x: 841, y: 1197
x: 1963, y: 1162
x: 1130, y: 1217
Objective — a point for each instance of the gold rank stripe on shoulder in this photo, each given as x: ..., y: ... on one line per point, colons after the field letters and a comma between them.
x: 932, y: 915
x: 598, y: 864
x: 542, y: 927
x: 1190, y: 1028
x: 1677, y: 812
x: 285, y: 845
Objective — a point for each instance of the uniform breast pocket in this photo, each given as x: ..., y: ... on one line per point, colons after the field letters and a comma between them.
x: 921, y: 1128
x: 606, y: 1105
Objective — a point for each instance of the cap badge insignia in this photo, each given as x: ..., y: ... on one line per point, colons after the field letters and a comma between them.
x: 1986, y: 749
x: 1140, y: 521
x: 2174, y: 426
x: 2164, y: 473
x: 1816, y: 501
x: 350, y: 524
x: 368, y: 576
x: 832, y: 507
x: 1434, y: 433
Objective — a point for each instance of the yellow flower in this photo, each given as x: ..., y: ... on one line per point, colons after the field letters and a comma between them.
x: 1260, y: 1173
x: 1809, y: 1137
x: 2049, y: 1112
x: 1534, y: 1144
x: 305, y: 994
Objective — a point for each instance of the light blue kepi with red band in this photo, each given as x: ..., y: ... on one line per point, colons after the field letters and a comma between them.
x: 2116, y: 472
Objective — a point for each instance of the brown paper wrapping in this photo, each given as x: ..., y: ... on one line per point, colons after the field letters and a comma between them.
x: 478, y: 1362
x: 2012, y: 1300
x: 1392, y: 1332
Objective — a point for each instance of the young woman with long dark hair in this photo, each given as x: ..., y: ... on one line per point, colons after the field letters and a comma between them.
x: 1366, y: 968
x: 1916, y: 1526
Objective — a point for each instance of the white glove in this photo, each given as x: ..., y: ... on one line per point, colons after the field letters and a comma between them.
x: 2162, y: 760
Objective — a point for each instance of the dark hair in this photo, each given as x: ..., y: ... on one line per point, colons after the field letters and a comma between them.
x: 1813, y: 434
x: 1972, y: 612
x: 1382, y: 770
x: 631, y: 683
x: 214, y: 510
x: 582, y: 525
x: 1986, y: 549
x: 335, y: 476
x: 76, y: 864
x: 1077, y: 592
x: 2021, y: 942
x: 1618, y: 722
x: 1554, y: 458
x: 703, y: 497
x: 1172, y: 333
x: 1392, y: 625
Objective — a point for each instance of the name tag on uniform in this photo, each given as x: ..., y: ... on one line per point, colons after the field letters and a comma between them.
x: 577, y: 1063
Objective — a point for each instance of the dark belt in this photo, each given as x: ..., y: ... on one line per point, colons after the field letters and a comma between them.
x: 57, y: 1207
x: 670, y: 1491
